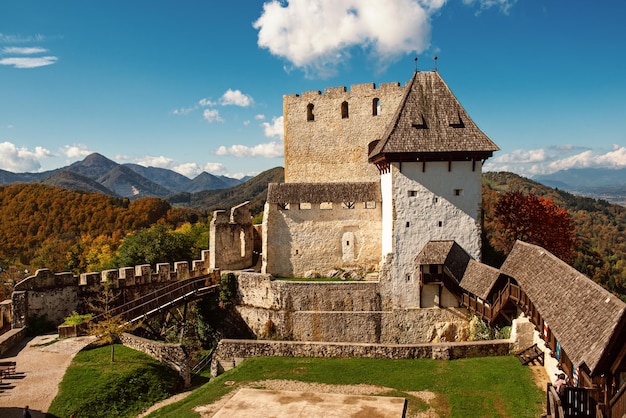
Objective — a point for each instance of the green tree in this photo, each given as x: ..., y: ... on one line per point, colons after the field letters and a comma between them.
x: 157, y: 244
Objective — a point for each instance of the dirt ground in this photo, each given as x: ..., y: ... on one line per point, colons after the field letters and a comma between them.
x: 41, y: 364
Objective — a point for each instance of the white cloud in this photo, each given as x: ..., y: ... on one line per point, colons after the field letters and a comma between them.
x: 212, y: 115
x: 152, y: 161
x: 23, y: 50
x: 236, y: 98
x: 183, y: 110
x: 259, y: 117
x: 206, y: 102
x: 28, y: 62
x: 276, y: 128
x: 317, y: 36
x: 520, y: 156
x: 269, y: 150
x: 19, y: 160
x: 4, y: 38
x: 556, y: 158
x: 190, y: 169
x: 504, y: 5
x: 76, y: 151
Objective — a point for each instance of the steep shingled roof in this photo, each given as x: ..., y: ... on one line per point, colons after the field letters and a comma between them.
x: 479, y: 279
x: 582, y: 315
x: 431, y: 121
x: 446, y: 253
x: 323, y: 192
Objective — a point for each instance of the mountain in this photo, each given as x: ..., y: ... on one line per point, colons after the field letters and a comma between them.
x: 123, y: 180
x: 166, y: 178
x: 253, y: 190
x: 599, y: 183
x: 71, y: 180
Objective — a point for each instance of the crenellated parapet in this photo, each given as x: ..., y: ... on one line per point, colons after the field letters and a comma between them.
x: 56, y: 295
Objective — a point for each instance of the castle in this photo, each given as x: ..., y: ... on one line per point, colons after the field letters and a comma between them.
x: 371, y: 176
x: 382, y: 184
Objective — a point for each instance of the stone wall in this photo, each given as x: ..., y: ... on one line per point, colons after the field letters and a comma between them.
x: 319, y: 238
x: 229, y: 353
x: 11, y: 338
x: 331, y: 147
x: 172, y: 355
x: 56, y: 295
x: 340, y: 311
x: 232, y: 238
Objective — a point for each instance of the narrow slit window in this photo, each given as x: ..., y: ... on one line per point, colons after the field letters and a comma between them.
x: 344, y: 110
x: 412, y: 193
x: 376, y: 107
x: 309, y: 112
x: 458, y: 192
x: 408, y: 224
x: 440, y: 224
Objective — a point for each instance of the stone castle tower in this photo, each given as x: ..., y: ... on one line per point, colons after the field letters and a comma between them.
x: 371, y: 176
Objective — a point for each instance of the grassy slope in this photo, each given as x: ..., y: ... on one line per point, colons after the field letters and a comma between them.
x: 480, y: 387
x: 95, y: 387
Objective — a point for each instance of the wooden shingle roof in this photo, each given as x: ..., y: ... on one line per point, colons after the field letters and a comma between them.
x: 479, y: 279
x: 431, y: 124
x: 323, y: 192
x: 446, y: 253
x: 583, y: 316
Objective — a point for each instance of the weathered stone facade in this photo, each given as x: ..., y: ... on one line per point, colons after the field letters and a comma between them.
x: 341, y: 312
x: 231, y: 238
x: 329, y: 143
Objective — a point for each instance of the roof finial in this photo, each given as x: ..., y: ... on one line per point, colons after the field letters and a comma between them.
x: 435, y: 58
x: 415, y: 59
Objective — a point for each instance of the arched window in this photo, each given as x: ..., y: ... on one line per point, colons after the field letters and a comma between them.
x: 376, y: 107
x: 309, y: 112
x: 344, y: 110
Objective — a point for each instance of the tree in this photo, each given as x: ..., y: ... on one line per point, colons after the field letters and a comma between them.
x: 157, y: 244
x: 533, y: 219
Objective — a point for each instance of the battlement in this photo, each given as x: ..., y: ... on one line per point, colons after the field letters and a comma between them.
x: 363, y: 88
x: 123, y: 277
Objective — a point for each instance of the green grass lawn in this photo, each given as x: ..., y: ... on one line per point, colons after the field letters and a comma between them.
x: 478, y: 387
x: 95, y: 387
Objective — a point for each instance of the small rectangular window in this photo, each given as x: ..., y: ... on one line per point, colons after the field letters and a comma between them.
x: 408, y: 224
x: 305, y: 205
x: 435, y: 199
x: 412, y: 193
x: 440, y: 224
x: 369, y: 205
x: 458, y: 192
x: 408, y: 277
x: 348, y: 205
x: 326, y: 205
x: 283, y: 206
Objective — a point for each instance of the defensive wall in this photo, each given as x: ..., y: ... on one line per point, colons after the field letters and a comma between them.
x: 54, y: 296
x: 234, y: 236
x: 229, y: 353
x: 320, y: 131
x: 350, y: 311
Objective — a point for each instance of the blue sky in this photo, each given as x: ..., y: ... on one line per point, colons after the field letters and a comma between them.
x: 197, y: 85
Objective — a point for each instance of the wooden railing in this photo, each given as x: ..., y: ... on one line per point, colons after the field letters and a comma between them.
x: 618, y: 403
x: 573, y: 403
x: 167, y: 296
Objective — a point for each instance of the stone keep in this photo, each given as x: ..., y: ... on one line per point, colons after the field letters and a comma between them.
x: 413, y: 147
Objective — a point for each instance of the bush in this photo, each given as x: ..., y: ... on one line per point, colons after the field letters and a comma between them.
x: 76, y: 319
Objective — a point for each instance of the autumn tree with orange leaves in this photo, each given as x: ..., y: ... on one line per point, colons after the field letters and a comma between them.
x: 535, y: 220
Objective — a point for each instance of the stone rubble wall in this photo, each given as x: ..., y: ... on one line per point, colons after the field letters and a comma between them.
x: 172, y: 355
x: 340, y: 312
x: 230, y: 353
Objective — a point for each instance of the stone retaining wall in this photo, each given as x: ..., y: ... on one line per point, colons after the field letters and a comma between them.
x: 172, y: 355
x: 230, y: 353
x: 10, y: 338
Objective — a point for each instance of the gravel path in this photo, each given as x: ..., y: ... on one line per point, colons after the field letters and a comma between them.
x: 40, y: 369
